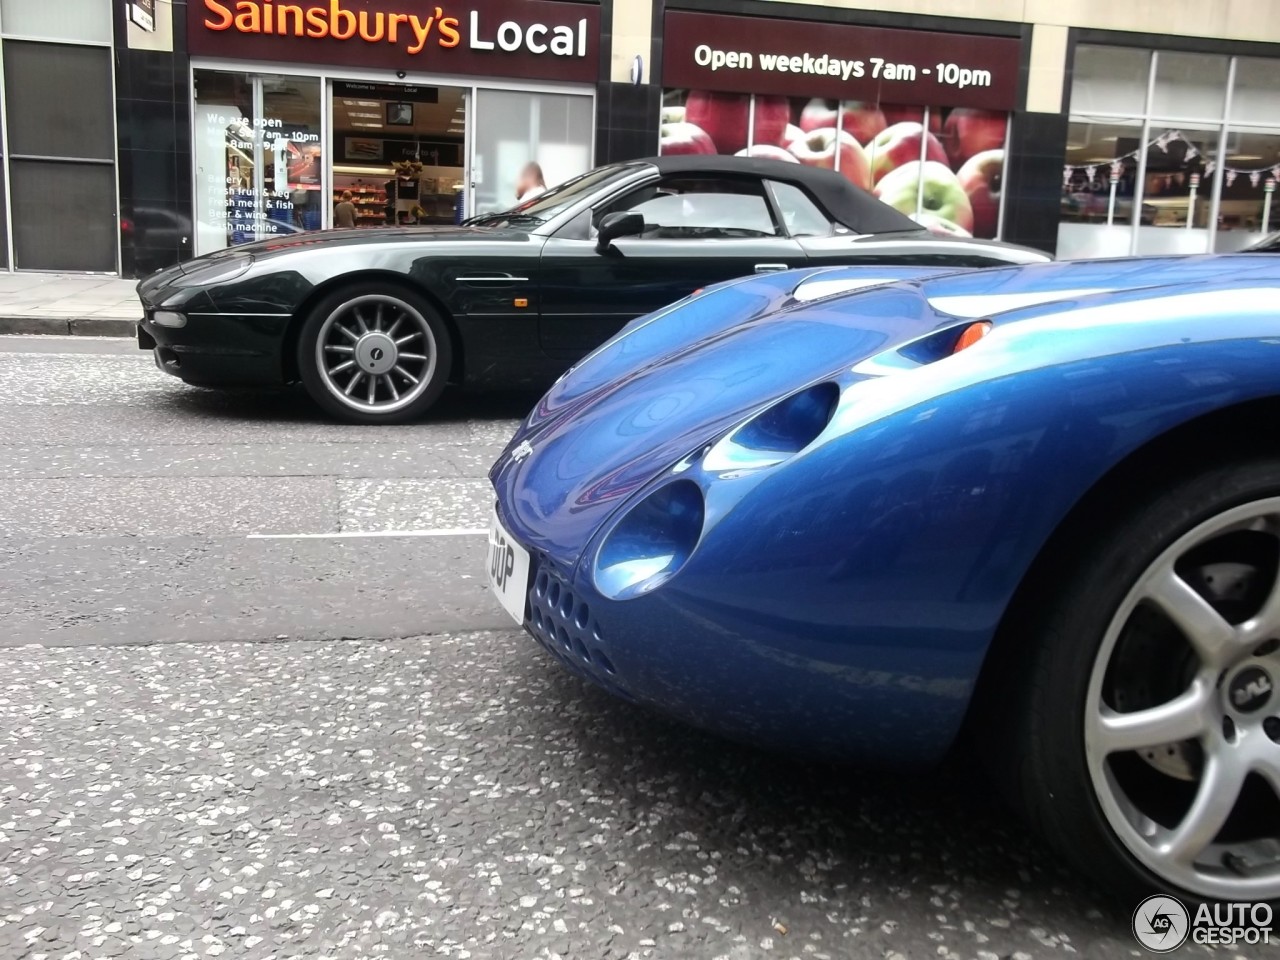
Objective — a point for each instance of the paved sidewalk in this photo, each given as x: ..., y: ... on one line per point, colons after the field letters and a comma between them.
x: 63, y: 304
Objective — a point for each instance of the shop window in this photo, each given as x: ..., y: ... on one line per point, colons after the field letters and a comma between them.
x: 293, y: 155
x: 1097, y: 212
x: 1247, y: 211
x: 513, y: 129
x: 259, y: 157
x: 1192, y: 85
x: 1110, y: 80
x: 87, y: 21
x: 1253, y: 99
x: 700, y: 208
x: 944, y: 167
x: 1177, y: 187
x: 59, y: 100
x: 4, y: 245
x: 1189, y: 169
x: 64, y: 216
x: 61, y: 146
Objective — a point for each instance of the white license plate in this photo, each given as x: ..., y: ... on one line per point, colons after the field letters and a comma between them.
x: 508, y: 569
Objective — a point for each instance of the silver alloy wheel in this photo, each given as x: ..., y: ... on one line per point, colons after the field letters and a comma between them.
x: 376, y: 353
x: 1182, y: 776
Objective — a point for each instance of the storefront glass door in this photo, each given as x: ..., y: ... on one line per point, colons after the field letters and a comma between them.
x: 514, y: 128
x: 399, y: 153
x: 259, y: 157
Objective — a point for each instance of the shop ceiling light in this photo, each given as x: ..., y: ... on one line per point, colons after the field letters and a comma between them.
x: 366, y: 116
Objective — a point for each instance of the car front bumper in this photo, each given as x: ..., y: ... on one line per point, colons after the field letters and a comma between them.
x: 686, y: 653
x: 219, y: 349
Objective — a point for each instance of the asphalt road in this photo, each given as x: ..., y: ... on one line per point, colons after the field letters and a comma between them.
x: 256, y: 702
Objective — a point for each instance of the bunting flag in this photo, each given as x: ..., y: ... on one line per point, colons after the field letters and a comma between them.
x: 1162, y: 142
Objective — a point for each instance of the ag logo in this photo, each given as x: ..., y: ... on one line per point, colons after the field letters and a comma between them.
x: 376, y: 353
x: 523, y: 450
x: 1161, y: 924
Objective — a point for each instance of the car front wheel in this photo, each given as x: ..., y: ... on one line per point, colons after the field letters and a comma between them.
x: 1147, y: 720
x: 369, y: 354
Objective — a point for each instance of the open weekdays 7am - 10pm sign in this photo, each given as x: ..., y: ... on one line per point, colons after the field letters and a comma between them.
x: 537, y: 39
x: 797, y: 58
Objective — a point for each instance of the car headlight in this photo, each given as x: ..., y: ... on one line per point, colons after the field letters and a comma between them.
x: 220, y: 270
x: 652, y: 541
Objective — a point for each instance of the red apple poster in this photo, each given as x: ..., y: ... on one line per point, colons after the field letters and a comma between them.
x: 945, y: 172
x: 917, y: 117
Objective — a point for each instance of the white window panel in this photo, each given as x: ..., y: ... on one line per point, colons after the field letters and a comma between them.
x: 86, y: 21
x: 1110, y: 80
x: 1192, y: 85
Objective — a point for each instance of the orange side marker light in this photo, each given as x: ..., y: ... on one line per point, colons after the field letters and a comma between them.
x: 971, y: 335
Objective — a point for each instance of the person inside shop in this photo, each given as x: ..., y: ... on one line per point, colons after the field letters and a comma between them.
x: 391, y: 189
x: 344, y: 214
x: 530, y: 183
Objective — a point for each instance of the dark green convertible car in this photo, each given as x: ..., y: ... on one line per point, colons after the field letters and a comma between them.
x: 375, y: 323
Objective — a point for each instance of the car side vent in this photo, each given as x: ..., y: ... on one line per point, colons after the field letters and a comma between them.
x: 778, y: 432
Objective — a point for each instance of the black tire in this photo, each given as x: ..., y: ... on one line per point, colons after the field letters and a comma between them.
x: 399, y: 397
x: 1031, y: 719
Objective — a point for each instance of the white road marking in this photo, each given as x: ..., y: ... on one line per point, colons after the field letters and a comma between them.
x: 456, y: 532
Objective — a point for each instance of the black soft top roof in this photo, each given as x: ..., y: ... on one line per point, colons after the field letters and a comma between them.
x: 850, y: 205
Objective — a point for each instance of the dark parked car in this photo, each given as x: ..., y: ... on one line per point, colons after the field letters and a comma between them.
x: 375, y: 322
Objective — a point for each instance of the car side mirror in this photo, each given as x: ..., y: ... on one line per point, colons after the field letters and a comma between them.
x: 622, y: 224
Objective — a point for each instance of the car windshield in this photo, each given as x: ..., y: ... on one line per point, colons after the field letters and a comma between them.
x: 547, y: 205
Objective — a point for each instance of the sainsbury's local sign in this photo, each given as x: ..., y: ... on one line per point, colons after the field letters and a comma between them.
x: 541, y: 39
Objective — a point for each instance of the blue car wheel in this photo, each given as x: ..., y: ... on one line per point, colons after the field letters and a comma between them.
x: 1143, y: 730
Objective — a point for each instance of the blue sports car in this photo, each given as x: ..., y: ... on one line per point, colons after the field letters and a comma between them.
x: 870, y: 512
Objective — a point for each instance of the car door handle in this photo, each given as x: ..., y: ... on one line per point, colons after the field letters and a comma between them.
x: 771, y: 267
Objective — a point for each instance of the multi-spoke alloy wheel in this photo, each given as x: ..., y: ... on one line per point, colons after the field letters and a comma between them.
x: 1130, y: 706
x: 373, y: 356
x: 1182, y: 729
x: 376, y: 353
